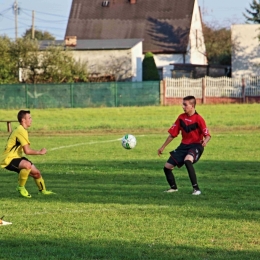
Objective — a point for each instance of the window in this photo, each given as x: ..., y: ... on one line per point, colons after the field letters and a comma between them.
x: 105, y: 3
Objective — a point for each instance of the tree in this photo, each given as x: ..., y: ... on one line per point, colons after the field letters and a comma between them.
x: 254, y: 14
x: 218, y: 44
x: 52, y: 65
x: 8, y: 66
x: 27, y: 56
x: 38, y: 35
x: 150, y: 71
x: 58, y: 65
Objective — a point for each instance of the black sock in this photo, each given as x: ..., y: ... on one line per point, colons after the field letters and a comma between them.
x: 170, y: 178
x: 192, y: 174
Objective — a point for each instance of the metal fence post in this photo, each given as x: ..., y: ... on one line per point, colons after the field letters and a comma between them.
x: 116, y: 94
x: 26, y: 96
x: 71, y: 95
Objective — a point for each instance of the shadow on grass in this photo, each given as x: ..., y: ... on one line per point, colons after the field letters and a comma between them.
x: 65, y: 248
x: 230, y: 189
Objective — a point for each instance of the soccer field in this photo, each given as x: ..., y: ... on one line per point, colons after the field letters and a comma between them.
x: 109, y: 201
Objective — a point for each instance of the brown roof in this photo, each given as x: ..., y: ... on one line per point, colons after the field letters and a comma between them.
x: 163, y: 24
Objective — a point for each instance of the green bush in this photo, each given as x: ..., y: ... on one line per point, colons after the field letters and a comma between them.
x: 150, y: 71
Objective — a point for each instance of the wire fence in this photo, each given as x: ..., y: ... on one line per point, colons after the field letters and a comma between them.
x: 107, y: 94
x: 117, y: 94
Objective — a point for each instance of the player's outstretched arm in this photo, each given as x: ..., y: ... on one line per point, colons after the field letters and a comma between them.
x: 28, y: 151
x: 167, y: 141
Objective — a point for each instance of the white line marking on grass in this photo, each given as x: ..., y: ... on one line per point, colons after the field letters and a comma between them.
x: 96, y: 142
x: 74, y: 145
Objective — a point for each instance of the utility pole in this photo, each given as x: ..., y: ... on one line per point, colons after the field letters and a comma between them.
x: 33, y: 25
x: 15, y: 7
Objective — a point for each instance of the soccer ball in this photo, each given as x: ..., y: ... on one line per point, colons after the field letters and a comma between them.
x: 128, y: 141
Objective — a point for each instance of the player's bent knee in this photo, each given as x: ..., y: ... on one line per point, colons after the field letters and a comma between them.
x: 27, y: 166
x: 189, y: 158
x: 168, y: 166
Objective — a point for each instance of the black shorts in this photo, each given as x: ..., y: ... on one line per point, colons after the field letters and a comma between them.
x: 14, y: 164
x: 178, y: 155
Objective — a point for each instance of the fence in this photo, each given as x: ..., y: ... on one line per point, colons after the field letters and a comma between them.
x: 116, y: 94
x: 108, y: 94
x: 182, y: 87
x: 216, y: 90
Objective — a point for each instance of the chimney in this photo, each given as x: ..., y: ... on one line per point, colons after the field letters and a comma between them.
x: 132, y: 2
x: 71, y: 41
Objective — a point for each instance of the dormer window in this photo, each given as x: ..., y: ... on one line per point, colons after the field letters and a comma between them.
x: 105, y: 3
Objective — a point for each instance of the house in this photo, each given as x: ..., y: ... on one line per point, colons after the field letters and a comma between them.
x: 170, y: 29
x: 107, y: 60
x: 246, y: 50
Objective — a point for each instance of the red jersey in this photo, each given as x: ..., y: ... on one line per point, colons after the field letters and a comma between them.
x: 193, y: 128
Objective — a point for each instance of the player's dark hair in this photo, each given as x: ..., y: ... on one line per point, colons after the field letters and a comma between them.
x: 21, y: 114
x: 192, y: 100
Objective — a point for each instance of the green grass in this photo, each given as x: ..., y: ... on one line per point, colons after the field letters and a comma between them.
x: 109, y: 202
x: 219, y: 117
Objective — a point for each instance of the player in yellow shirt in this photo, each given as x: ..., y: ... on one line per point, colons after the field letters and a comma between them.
x: 12, y: 158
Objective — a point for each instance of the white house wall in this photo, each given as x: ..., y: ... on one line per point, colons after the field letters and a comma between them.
x: 246, y: 51
x: 197, y: 46
x: 137, y: 58
x: 107, y: 62
x: 164, y: 60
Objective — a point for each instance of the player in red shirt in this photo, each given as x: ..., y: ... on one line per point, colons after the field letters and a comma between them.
x: 195, y: 136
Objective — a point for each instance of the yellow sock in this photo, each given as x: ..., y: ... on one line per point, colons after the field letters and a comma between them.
x: 40, y: 183
x: 23, y: 176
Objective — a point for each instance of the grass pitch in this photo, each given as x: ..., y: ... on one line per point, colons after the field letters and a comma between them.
x: 109, y: 202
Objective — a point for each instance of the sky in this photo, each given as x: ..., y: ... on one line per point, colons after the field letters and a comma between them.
x: 224, y: 12
x: 52, y: 15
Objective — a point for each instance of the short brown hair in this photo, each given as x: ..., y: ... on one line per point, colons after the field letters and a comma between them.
x: 21, y: 114
x: 192, y: 100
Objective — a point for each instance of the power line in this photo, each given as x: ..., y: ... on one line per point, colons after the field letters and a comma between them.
x: 4, y: 11
x: 46, y: 13
x: 41, y: 19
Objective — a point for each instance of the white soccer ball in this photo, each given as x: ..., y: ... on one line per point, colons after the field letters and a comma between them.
x: 128, y: 141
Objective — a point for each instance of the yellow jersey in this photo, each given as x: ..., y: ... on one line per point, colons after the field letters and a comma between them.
x: 14, y: 147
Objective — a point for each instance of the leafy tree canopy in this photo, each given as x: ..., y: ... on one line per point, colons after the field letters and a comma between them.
x: 38, y: 35
x: 8, y: 71
x: 218, y: 44
x: 253, y: 15
x: 55, y: 64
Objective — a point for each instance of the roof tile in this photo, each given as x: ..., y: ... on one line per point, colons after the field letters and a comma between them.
x: 163, y: 24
